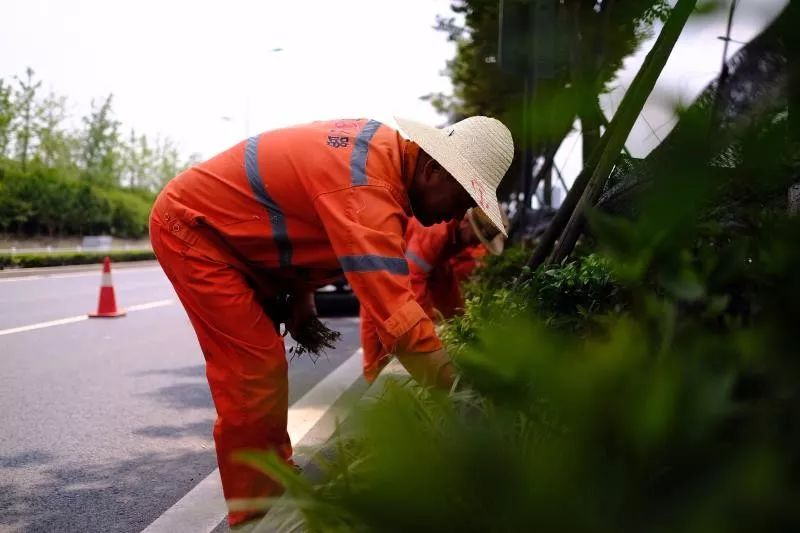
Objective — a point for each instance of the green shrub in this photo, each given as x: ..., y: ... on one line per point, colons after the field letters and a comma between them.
x: 42, y: 200
x: 129, y: 214
x: 569, y: 297
x: 679, y: 414
x: 26, y: 260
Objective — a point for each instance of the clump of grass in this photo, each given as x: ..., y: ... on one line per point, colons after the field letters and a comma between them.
x: 314, y: 339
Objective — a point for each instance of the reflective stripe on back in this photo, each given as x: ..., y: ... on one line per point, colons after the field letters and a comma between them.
x: 420, y: 262
x: 373, y: 263
x: 276, y: 218
x: 358, y: 159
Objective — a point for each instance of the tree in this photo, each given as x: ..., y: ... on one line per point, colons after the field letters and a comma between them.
x: 167, y: 163
x: 56, y: 145
x: 25, y: 99
x: 539, y: 64
x: 137, y: 161
x: 18, y: 201
x: 7, y: 113
x: 52, y: 198
x: 57, y: 181
x: 101, y: 143
x: 479, y: 87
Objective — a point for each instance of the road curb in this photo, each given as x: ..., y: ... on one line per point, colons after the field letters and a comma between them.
x: 283, y: 518
x: 46, y: 271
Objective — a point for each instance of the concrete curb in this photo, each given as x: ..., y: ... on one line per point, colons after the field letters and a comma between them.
x: 282, y: 518
x: 47, y: 271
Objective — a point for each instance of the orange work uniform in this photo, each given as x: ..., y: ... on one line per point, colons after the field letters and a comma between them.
x: 445, y: 281
x: 283, y: 211
x: 433, y: 255
x: 464, y: 263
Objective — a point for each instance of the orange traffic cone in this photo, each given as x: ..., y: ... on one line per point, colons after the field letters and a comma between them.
x: 107, y: 305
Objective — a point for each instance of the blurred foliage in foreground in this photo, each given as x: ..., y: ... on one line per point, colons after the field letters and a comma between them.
x: 675, y: 408
x: 678, y: 412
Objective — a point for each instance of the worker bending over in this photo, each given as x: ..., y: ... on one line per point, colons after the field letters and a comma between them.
x: 282, y: 213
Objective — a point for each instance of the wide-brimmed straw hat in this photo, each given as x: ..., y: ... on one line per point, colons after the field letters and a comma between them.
x: 484, y: 229
x: 476, y: 151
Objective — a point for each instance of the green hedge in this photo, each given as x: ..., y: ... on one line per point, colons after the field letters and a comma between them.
x: 51, y: 201
x: 71, y: 258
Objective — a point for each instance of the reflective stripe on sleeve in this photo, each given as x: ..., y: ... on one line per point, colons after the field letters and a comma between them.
x: 374, y: 263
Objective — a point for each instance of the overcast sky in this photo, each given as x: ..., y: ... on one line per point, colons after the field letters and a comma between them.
x: 178, y: 67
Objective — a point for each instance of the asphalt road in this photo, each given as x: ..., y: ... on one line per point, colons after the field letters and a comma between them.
x: 105, y: 424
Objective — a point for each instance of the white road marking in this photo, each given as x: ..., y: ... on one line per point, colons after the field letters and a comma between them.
x: 80, y: 318
x: 40, y: 325
x: 150, y: 305
x: 21, y: 278
x: 203, y: 507
x: 308, y: 410
x: 81, y: 274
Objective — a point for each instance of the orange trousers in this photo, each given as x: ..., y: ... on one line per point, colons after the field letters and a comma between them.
x: 245, y: 357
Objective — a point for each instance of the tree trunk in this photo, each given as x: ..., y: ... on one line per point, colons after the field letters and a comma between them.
x: 548, y: 239
x: 25, y: 138
x: 591, y: 121
x: 545, y: 174
x: 792, y: 40
x: 547, y: 177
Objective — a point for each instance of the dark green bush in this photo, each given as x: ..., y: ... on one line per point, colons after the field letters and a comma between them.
x: 43, y: 200
x: 569, y: 297
x: 26, y: 260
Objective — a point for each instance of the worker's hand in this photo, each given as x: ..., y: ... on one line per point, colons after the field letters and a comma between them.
x: 301, y: 309
x: 430, y: 369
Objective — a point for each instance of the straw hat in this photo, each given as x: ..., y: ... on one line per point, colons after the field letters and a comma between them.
x: 484, y: 229
x: 476, y: 151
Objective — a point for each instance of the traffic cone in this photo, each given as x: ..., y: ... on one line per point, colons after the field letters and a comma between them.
x: 107, y: 304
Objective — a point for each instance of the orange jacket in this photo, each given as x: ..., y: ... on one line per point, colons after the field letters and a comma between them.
x: 465, y: 262
x: 439, y: 265
x: 301, y: 203
x: 428, y: 249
